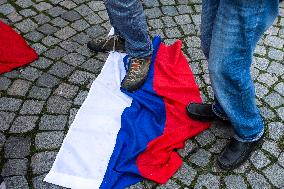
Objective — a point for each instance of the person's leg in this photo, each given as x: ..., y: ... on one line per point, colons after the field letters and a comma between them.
x: 238, y: 27
x: 128, y: 19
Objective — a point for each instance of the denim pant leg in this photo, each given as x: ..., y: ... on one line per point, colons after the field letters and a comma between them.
x: 128, y: 19
x: 238, y: 26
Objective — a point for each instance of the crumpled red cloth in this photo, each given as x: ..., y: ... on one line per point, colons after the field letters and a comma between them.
x: 14, y: 51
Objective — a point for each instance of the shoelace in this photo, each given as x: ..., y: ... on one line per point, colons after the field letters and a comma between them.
x: 133, y: 72
x: 114, y: 41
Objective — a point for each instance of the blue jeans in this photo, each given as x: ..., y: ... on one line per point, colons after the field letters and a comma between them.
x: 230, y: 30
x: 129, y: 21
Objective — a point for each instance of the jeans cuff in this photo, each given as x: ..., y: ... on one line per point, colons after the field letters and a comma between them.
x: 218, y: 113
x: 257, y: 137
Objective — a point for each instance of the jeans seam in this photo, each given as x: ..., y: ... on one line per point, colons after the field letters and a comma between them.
x: 217, y: 113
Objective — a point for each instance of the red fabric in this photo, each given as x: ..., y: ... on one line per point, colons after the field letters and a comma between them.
x: 14, y: 51
x: 174, y: 81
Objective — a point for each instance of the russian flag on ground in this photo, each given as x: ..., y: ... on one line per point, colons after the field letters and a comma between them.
x: 119, y: 138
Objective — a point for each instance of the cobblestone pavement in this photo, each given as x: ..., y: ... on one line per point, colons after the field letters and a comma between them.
x: 38, y: 102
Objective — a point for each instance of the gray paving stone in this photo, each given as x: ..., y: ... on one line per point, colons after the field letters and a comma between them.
x: 169, y: 10
x: 279, y: 88
x: 27, y: 13
x: 19, y: 88
x: 169, y: 185
x: 93, y: 65
x: 95, y: 31
x: 26, y: 25
x: 200, y: 158
x: 257, y: 181
x: 39, y: 93
x: 267, y: 78
x: 267, y: 113
x: 260, y: 63
x: 6, y: 119
x: 68, y: 4
x: 47, y: 29
x: 185, y: 174
x: 32, y: 107
x: 71, y: 15
x: 172, y: 32
x: 276, y: 68
x: 259, y: 160
x: 72, y: 115
x: 30, y: 73
x: 153, y: 13
x: 59, y: 22
x: 74, y: 59
x: 280, y: 112
x: 261, y: 50
x: 6, y: 9
x: 65, y: 33
x: 151, y: 3
x: 23, y: 124
x: 271, y: 147
x: 49, y: 140
x: 103, y: 15
x: 56, y: 11
x: 66, y: 90
x: 275, y: 54
x: 69, y: 45
x: 81, y: 38
x: 96, y: 5
x: 84, y: 10
x: 50, y: 41
x: 156, y: 23
x: 183, y: 19
x: 61, y: 70
x: 39, y: 48
x: 260, y: 90
x: 52, y: 122
x: 235, y: 182
x: 275, y: 175
x: 184, y: 9
x: 196, y: 19
x: 274, y: 100
x: 276, y: 130
x: 80, y: 25
x: 274, y: 41
x: 94, y: 18
x: 41, y: 19
x: 196, y: 54
x: 10, y: 104
x: 42, y: 162
x: 136, y: 186
x: 58, y: 105
x: 24, y: 3
x: 47, y: 80
x: 55, y: 53
x: 15, y: 167
x: 16, y: 182
x: 4, y: 83
x: 38, y: 183
x: 80, y: 77
x: 2, y: 140
x: 80, y: 97
x: 14, y: 17
x: 17, y: 147
x: 281, y: 159
x: 208, y: 180
x: 42, y: 63
x: 167, y: 2
x: 205, y: 138
x: 168, y: 21
x: 42, y: 6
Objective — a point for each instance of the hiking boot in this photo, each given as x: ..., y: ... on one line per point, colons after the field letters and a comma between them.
x: 106, y: 44
x: 136, y: 74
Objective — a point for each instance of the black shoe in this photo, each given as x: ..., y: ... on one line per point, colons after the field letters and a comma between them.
x: 235, y: 153
x: 201, y: 112
x: 107, y: 43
